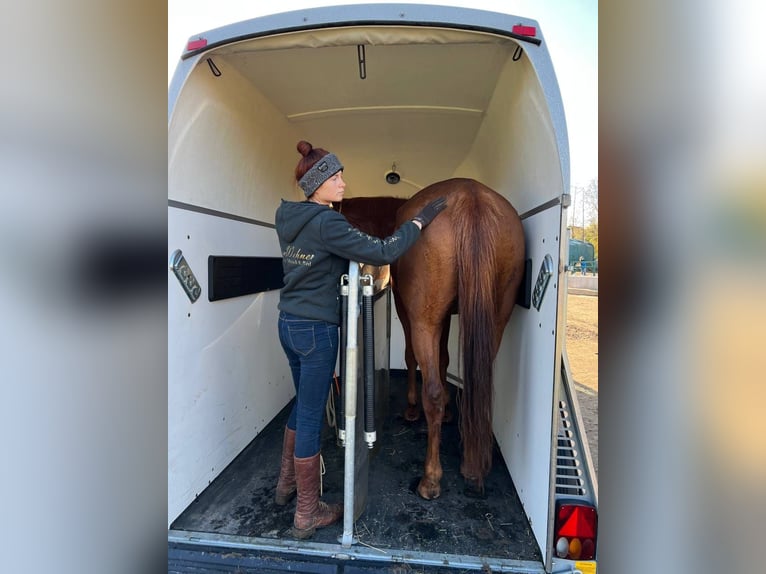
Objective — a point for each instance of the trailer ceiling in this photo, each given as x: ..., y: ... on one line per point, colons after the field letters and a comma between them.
x: 419, y: 105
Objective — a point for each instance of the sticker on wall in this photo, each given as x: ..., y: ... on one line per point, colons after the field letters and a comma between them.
x: 185, y: 276
x: 541, y: 285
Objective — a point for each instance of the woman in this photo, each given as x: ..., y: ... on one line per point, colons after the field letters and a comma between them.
x: 317, y: 243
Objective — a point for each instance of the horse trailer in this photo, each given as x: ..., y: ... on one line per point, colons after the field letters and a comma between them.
x: 406, y: 95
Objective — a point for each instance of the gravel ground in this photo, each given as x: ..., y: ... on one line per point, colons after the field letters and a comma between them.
x: 582, y: 350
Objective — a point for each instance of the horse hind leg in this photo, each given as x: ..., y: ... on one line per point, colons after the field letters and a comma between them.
x: 433, y: 406
x: 469, y: 467
x: 473, y: 478
x: 474, y: 484
x: 412, y: 412
x: 443, y: 364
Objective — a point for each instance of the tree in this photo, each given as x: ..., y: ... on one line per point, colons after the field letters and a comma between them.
x: 591, y: 236
x: 583, y: 213
x: 591, y: 203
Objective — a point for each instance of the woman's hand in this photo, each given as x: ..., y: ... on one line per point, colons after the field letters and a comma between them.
x: 429, y: 212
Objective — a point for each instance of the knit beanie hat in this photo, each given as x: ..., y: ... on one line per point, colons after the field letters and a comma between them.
x: 320, y: 172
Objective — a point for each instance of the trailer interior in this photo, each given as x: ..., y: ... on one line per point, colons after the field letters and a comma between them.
x: 426, y: 100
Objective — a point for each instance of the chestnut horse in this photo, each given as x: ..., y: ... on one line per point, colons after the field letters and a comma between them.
x: 469, y: 261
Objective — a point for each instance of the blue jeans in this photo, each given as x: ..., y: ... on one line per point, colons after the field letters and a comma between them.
x: 311, y: 347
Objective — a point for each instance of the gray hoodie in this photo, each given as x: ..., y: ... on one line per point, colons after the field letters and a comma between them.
x: 317, y: 243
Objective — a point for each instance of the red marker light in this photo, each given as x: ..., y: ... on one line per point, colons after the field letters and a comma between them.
x: 575, y: 533
x: 196, y: 44
x: 524, y: 30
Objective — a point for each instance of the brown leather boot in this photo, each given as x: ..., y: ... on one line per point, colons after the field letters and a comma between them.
x: 286, y: 485
x: 310, y: 512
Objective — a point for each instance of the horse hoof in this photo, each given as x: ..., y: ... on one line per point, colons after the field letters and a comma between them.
x: 474, y: 488
x: 429, y: 492
x: 412, y: 414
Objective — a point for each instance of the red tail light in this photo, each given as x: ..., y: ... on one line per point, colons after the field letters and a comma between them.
x: 575, y: 531
x: 196, y: 44
x: 524, y: 30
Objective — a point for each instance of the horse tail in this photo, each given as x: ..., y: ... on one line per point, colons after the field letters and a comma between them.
x: 476, y: 223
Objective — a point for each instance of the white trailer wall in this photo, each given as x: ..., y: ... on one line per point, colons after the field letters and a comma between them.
x: 227, y: 376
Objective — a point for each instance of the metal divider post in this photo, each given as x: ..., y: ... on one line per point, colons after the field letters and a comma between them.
x: 350, y: 404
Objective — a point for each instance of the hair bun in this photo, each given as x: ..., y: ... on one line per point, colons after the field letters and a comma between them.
x: 304, y: 148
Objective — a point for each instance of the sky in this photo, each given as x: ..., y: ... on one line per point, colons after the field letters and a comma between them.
x: 570, y: 28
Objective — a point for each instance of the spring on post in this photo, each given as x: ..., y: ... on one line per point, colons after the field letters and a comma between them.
x: 341, y: 407
x: 368, y: 337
